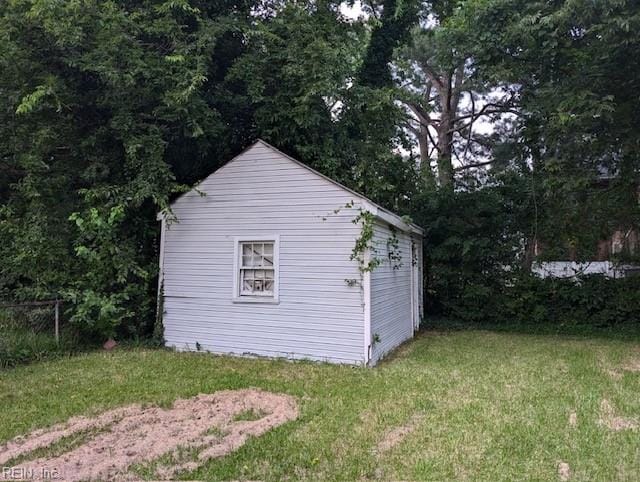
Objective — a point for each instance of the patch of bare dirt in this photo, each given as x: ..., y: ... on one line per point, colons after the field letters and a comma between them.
x: 397, y: 434
x: 573, y: 418
x: 613, y: 373
x: 632, y: 365
x: 564, y: 471
x: 609, y: 419
x: 136, y: 434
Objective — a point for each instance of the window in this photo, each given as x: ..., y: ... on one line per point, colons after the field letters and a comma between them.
x: 256, y: 270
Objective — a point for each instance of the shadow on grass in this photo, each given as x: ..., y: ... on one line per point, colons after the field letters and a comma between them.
x: 626, y: 332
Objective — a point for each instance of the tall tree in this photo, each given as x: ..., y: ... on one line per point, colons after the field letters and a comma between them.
x: 392, y: 22
x: 446, y: 95
x: 579, y: 78
x: 102, y: 104
x: 303, y: 74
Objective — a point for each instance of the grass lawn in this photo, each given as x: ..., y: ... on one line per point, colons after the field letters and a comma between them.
x: 473, y: 405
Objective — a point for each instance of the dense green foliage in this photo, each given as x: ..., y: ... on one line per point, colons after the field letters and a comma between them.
x: 27, y: 336
x: 108, y: 109
x: 578, y: 82
x: 472, y: 250
x: 477, y: 269
x: 101, y: 102
x: 591, y: 300
x: 24, y: 346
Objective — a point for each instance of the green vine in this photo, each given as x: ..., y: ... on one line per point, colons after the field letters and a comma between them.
x: 158, y: 326
x: 393, y: 249
x: 363, y: 242
x: 414, y: 254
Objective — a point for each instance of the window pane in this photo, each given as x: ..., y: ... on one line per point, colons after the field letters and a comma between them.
x: 256, y: 273
x: 268, y: 254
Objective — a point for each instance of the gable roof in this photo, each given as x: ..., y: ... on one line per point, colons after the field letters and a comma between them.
x: 375, y: 209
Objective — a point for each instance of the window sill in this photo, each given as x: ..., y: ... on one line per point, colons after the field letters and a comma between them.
x: 256, y: 299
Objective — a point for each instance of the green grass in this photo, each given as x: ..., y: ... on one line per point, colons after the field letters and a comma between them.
x: 249, y: 415
x: 19, y: 346
x: 488, y: 406
x: 23, y: 341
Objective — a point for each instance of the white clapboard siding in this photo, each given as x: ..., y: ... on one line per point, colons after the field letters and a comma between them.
x: 258, y: 194
x: 391, y: 311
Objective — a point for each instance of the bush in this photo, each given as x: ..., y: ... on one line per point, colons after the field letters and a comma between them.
x: 23, y: 346
x: 590, y: 300
x: 477, y: 268
x: 471, y: 247
x: 22, y: 341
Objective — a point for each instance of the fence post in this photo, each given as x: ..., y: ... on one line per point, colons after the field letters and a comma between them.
x: 57, y: 322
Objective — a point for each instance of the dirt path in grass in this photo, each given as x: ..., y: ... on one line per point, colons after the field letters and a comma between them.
x: 397, y: 434
x: 212, y: 425
x: 609, y: 419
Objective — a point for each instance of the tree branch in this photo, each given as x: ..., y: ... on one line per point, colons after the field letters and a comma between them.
x: 470, y: 166
x: 422, y: 115
x: 431, y: 139
x: 456, y: 90
x: 415, y: 131
x: 434, y: 78
x: 473, y: 111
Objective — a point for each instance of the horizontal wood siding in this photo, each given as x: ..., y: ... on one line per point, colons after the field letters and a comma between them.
x: 261, y: 193
x: 391, y: 320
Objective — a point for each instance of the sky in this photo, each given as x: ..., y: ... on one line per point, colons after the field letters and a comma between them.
x: 352, y: 12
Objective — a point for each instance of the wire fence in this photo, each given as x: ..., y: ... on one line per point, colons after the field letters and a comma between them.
x: 40, y: 317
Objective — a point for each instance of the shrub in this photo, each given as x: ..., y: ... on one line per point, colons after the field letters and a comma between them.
x: 23, y: 346
x: 477, y: 267
x: 21, y: 340
x: 590, y: 300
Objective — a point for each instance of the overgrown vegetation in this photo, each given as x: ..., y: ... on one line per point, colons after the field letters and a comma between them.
x: 22, y: 342
x: 478, y: 270
x: 23, y: 346
x: 499, y: 126
x: 476, y: 404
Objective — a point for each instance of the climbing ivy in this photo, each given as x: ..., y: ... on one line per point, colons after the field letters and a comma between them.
x: 366, y: 220
x: 363, y: 242
x: 393, y: 249
x: 414, y: 254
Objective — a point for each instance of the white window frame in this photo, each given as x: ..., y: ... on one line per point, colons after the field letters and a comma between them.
x: 237, y: 242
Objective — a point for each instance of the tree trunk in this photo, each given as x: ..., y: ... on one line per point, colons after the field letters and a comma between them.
x: 425, y: 159
x: 445, y: 150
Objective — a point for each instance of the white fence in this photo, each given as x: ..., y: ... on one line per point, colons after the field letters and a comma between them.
x: 572, y: 269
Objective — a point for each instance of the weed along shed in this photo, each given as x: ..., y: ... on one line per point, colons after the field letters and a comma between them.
x: 268, y: 257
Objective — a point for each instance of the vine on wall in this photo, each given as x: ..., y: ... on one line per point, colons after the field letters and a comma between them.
x: 393, y: 249
x: 364, y: 242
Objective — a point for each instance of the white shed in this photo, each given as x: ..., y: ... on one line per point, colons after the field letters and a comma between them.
x: 262, y: 259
